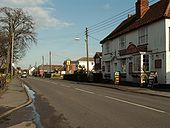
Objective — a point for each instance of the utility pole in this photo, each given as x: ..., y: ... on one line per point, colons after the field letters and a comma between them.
x: 87, y: 52
x: 50, y: 61
x: 43, y: 63
x: 12, y: 50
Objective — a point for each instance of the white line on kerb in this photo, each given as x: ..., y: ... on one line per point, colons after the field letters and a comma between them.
x: 135, y: 104
x: 84, y: 91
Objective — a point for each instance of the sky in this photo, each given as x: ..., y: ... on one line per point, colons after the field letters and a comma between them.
x: 59, y: 22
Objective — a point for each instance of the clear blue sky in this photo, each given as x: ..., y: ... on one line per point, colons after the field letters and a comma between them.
x: 59, y: 22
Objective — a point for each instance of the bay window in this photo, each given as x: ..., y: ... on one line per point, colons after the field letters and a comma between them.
x: 123, y: 65
x: 141, y: 62
x: 137, y: 63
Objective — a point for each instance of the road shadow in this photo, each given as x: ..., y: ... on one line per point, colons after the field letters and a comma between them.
x: 48, y: 115
x: 17, y: 117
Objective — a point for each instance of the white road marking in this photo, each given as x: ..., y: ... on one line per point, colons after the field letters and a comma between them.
x: 113, y: 98
x: 135, y: 104
x: 65, y: 86
x: 84, y: 91
x: 60, y: 85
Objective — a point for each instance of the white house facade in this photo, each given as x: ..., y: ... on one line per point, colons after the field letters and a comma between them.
x: 83, y: 63
x: 140, y: 44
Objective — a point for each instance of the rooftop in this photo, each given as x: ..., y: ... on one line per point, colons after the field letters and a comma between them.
x: 155, y: 12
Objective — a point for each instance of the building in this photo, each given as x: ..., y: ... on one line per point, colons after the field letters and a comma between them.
x: 48, y: 68
x: 82, y: 62
x: 98, y: 62
x: 72, y: 66
x: 140, y: 44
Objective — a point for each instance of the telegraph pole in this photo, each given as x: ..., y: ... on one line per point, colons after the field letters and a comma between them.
x: 12, y: 54
x: 43, y: 63
x: 50, y: 61
x: 87, y: 52
x: 12, y: 49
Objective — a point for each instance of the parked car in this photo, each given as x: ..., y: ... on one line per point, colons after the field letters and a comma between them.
x: 24, y: 75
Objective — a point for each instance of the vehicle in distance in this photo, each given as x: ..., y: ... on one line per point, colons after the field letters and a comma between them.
x: 24, y: 75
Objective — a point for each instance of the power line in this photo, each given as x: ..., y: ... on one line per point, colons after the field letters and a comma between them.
x: 109, y: 19
x: 107, y: 23
x: 94, y: 38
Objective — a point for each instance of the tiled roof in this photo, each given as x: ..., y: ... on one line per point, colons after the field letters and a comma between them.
x: 157, y: 11
x: 99, y: 54
x: 85, y: 59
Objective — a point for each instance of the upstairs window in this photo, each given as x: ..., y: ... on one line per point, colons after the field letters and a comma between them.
x: 108, y: 66
x: 143, y: 35
x: 107, y: 48
x: 122, y: 42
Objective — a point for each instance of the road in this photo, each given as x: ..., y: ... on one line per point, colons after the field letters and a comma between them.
x: 68, y: 104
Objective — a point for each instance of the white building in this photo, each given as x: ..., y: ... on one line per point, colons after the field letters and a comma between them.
x: 83, y: 63
x: 140, y: 43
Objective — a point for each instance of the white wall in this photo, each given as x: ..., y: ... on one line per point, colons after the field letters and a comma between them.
x: 156, y: 44
x: 167, y: 22
x: 84, y: 63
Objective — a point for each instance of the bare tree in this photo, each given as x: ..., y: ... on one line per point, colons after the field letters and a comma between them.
x: 3, y: 50
x: 21, y: 25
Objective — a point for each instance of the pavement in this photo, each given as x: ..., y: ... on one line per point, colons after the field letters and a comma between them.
x: 17, y: 97
x: 13, y: 99
x: 134, y: 89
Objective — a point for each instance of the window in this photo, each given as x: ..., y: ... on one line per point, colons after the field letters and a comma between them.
x: 143, y: 35
x: 137, y: 63
x: 107, y: 48
x: 108, y: 66
x: 146, y: 62
x: 97, y: 60
x: 130, y: 67
x: 158, y: 63
x: 122, y: 42
x: 123, y: 65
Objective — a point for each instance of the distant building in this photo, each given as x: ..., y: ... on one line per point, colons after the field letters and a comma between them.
x: 98, y: 62
x: 83, y: 63
x: 31, y: 70
x: 48, y: 68
x: 141, y: 43
x: 72, y: 66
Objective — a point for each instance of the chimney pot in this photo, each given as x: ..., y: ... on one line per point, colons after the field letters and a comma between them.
x: 142, y: 6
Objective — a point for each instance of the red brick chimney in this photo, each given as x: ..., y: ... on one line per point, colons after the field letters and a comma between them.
x: 142, y: 7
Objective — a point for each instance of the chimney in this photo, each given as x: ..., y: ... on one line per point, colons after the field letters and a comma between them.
x: 129, y: 15
x: 142, y: 6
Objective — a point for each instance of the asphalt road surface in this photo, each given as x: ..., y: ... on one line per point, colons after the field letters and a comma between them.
x: 66, y: 104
